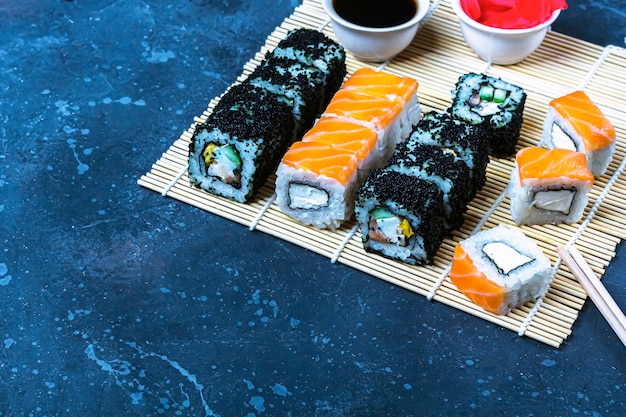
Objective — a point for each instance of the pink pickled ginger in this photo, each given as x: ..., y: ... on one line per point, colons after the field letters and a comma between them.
x: 512, y: 14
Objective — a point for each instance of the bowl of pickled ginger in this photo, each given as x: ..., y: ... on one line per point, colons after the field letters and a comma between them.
x: 506, y: 32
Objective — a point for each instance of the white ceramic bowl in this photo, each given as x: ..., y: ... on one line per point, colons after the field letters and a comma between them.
x: 375, y: 44
x: 501, y: 46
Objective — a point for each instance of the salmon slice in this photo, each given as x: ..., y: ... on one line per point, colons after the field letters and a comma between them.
x: 322, y: 159
x: 371, y: 109
x: 382, y: 84
x: 536, y: 163
x: 344, y: 136
x: 475, y: 284
x: 596, y: 131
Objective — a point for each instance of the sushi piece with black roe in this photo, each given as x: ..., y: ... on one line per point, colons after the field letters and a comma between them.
x: 241, y: 142
x: 493, y: 104
x: 400, y: 216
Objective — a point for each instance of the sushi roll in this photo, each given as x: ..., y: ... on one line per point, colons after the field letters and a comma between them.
x: 241, y: 142
x: 406, y: 208
x: 317, y: 178
x: 400, y: 216
x: 314, y: 49
x: 574, y: 122
x: 493, y: 104
x: 443, y: 167
x: 467, y: 142
x: 298, y: 83
x: 500, y: 269
x: 549, y: 186
x: 402, y: 90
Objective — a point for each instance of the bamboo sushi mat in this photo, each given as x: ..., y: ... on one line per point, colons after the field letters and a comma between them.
x: 436, y: 58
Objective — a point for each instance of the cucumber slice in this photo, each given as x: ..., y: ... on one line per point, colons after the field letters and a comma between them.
x: 486, y: 92
x: 231, y: 154
x: 500, y: 95
x: 381, y: 213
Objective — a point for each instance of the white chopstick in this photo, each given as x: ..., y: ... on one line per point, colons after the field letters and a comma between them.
x: 595, y: 290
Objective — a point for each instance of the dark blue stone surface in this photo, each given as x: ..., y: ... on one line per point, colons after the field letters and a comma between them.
x: 115, y: 301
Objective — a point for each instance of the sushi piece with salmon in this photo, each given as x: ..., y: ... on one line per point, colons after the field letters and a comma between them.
x: 574, y: 122
x: 318, y: 176
x: 549, y: 186
x: 385, y: 102
x: 500, y: 269
x: 400, y: 216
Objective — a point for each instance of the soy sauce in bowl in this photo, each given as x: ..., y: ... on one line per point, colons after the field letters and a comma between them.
x: 375, y: 30
x: 376, y: 13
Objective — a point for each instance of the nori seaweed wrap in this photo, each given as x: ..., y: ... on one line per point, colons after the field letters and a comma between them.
x: 495, y: 105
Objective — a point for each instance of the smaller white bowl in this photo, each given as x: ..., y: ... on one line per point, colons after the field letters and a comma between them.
x: 375, y: 44
x: 501, y: 46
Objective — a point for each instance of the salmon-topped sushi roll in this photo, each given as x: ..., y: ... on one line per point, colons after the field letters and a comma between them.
x: 383, y: 101
x: 363, y: 123
x: 500, y: 269
x: 549, y: 186
x: 317, y: 178
x: 575, y: 122
x: 390, y: 87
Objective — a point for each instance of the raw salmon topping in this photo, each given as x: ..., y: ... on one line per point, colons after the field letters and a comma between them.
x: 475, y: 284
x: 540, y: 163
x: 587, y: 120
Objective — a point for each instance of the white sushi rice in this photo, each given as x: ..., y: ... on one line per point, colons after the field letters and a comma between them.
x: 551, y: 201
x: 511, y: 260
x: 558, y: 132
x: 314, y: 200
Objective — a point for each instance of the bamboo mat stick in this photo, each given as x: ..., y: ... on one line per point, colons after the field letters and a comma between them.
x: 596, y: 291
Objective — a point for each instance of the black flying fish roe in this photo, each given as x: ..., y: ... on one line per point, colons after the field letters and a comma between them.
x: 248, y: 112
x: 318, y: 47
x: 470, y: 142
